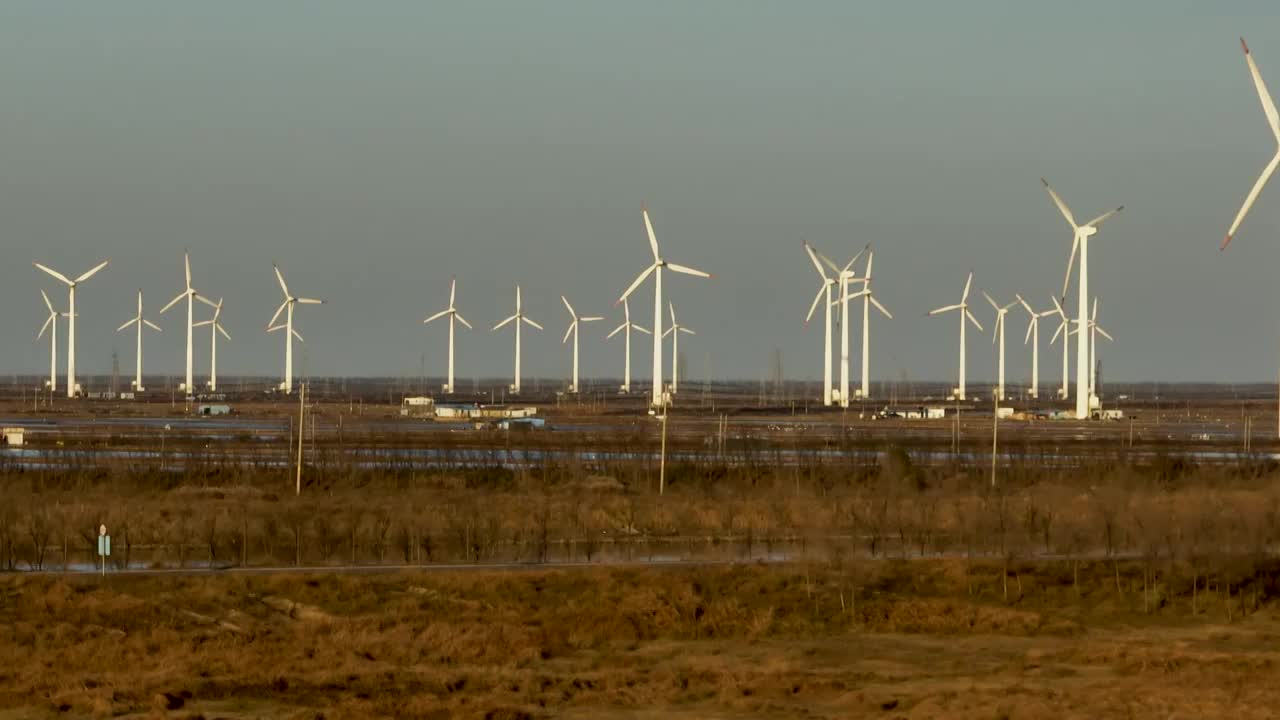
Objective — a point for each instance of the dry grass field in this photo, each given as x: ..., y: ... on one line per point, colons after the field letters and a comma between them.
x: 887, y: 638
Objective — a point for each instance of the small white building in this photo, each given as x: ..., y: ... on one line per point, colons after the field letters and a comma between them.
x: 13, y: 436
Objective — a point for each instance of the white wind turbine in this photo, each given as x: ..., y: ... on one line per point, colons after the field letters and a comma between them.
x: 868, y: 299
x: 1064, y: 329
x: 997, y: 336
x: 215, y: 327
x: 286, y: 307
x: 1273, y: 119
x: 1080, y: 242
x: 51, y: 323
x: 656, y: 270
x: 72, y: 388
x: 519, y: 318
x: 453, y: 314
x: 823, y: 296
x: 963, y: 307
x: 1094, y: 331
x: 573, y: 330
x: 139, y: 321
x: 1033, y: 337
x: 190, y: 295
x: 627, y: 326
x: 674, y: 331
x: 845, y: 276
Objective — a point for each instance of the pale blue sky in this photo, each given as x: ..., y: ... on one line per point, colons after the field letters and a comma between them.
x: 375, y: 149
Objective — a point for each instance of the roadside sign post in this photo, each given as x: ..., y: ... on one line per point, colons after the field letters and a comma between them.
x: 104, y: 547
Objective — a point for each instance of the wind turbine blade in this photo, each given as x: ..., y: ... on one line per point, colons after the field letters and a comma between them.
x: 186, y: 263
x: 637, y: 328
x: 829, y: 263
x: 181, y: 296
x: 92, y: 272
x: 964, y: 297
x: 590, y: 318
x: 653, y: 239
x: 993, y: 302
x: 504, y: 322
x: 626, y: 311
x: 1104, y: 334
x: 207, y: 301
x: 687, y: 270
x: 279, y: 276
x: 1094, y: 223
x: 132, y: 321
x: 1066, y: 211
x: 274, y: 328
x: 1261, y: 182
x: 568, y: 307
x: 667, y: 332
x: 880, y: 307
x: 275, y: 317
x: 855, y: 258
x: 45, y: 327
x: 687, y: 331
x: 672, y: 309
x: 437, y: 316
x: 1025, y: 305
x: 871, y: 256
x: 1057, y: 332
x: 462, y: 320
x: 453, y: 289
x: 569, y: 332
x: 816, y: 299
x: 642, y: 277
x: 813, y: 257
x: 1030, y: 326
x: 297, y: 335
x: 519, y: 300
x: 527, y: 320
x: 222, y: 330
x: 947, y: 308
x: 1057, y: 307
x: 973, y: 319
x: 1268, y: 106
x: 1093, y: 315
x: 1066, y: 279
x: 47, y: 304
x: 153, y: 326
x: 310, y: 301
x: 202, y: 323
x: 54, y: 273
x: 616, y: 330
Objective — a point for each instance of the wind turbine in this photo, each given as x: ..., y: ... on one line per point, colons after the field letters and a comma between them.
x: 139, y: 321
x: 190, y: 295
x: 1064, y: 330
x: 72, y: 388
x: 674, y: 331
x: 215, y: 327
x: 824, y: 297
x: 1094, y: 331
x: 963, y: 307
x: 286, y: 307
x: 656, y: 270
x: 868, y: 299
x: 452, y: 313
x: 1033, y: 336
x: 1080, y: 242
x: 845, y: 276
x: 628, y: 326
x: 51, y: 323
x: 1273, y: 119
x: 998, y: 334
x: 519, y: 319
x: 573, y: 330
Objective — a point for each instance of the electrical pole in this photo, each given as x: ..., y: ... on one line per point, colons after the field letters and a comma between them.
x: 302, y: 408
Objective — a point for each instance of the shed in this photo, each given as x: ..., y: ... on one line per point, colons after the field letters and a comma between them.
x: 213, y: 410
x: 13, y: 436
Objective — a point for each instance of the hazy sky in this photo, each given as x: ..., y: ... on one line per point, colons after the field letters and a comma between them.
x: 375, y: 149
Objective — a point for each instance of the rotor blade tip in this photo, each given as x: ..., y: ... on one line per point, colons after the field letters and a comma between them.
x: 1225, y: 241
x: 1244, y: 45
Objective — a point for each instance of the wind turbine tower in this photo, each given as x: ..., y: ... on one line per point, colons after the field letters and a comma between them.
x: 627, y: 326
x: 519, y: 319
x: 140, y: 322
x: 453, y: 314
x: 963, y: 308
x: 72, y: 388
x: 215, y: 327
x: 574, y: 324
x: 290, y: 334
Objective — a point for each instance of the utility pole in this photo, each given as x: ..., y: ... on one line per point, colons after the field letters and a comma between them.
x: 302, y: 408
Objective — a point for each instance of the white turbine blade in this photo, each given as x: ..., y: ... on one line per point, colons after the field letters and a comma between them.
x: 687, y: 331
x: 947, y: 308
x: 45, y: 327
x: 453, y: 289
x: 626, y: 311
x: 1025, y: 305
x: 504, y: 322
x: 653, y: 239
x: 993, y: 302
x: 1093, y: 316
x: 47, y: 304
x: 667, y: 331
x: 519, y: 301
x: 1057, y: 332
x: 310, y: 301
x: 1267, y: 172
x: 855, y: 258
x: 813, y: 257
x: 1094, y: 223
x: 590, y: 318
x: 1075, y: 248
x: 640, y: 279
x: 152, y: 325
x: 279, y: 276
x: 437, y: 316
x: 973, y: 319
x: 1066, y: 211
x: 202, y: 323
x: 131, y: 321
x: 54, y: 273
x: 568, y: 307
x: 90, y: 273
x: 1268, y: 106
x: 181, y: 296
x: 1030, y: 326
x: 569, y: 332
x: 297, y: 335
x: 186, y: 263
x: 530, y: 322
x: 687, y: 270
x: 672, y: 309
x: 871, y: 256
x: 207, y: 301
x: 816, y: 299
x: 1104, y: 333
x: 224, y: 332
x: 274, y: 328
x: 275, y: 317
x: 616, y: 330
x: 637, y: 328
x: 462, y: 320
x: 964, y: 297
x: 1057, y: 307
x: 880, y: 307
